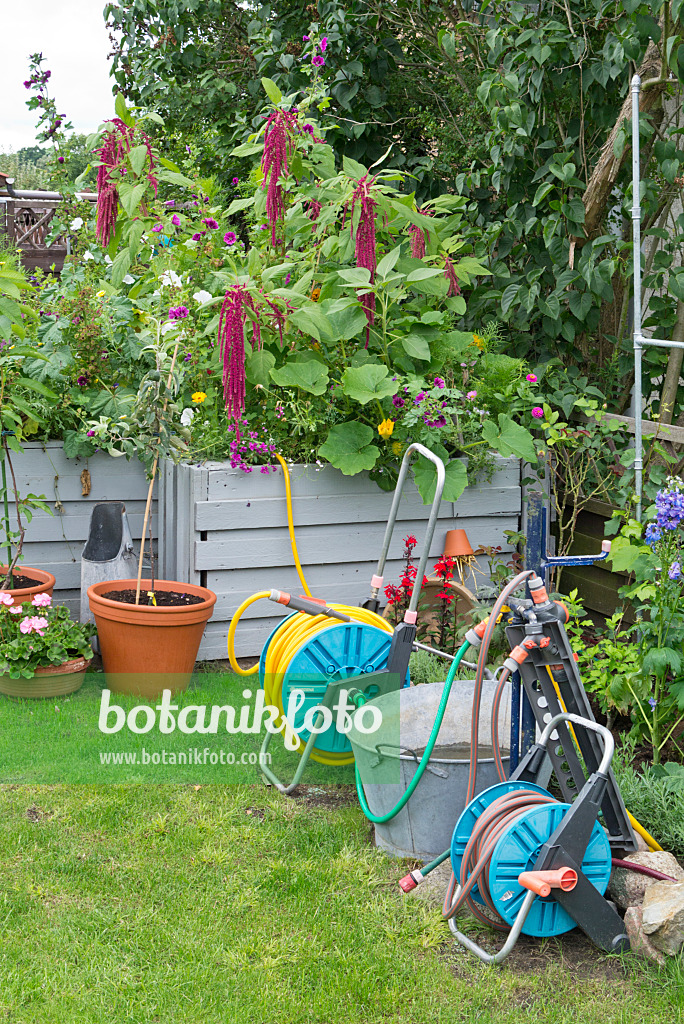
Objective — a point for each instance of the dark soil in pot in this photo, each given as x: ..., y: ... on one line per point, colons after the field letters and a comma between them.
x: 20, y: 582
x: 162, y: 598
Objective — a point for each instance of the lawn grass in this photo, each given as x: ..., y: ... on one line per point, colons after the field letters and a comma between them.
x: 174, y: 903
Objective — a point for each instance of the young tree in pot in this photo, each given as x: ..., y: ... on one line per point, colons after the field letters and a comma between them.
x: 141, y: 654
x: 16, y: 410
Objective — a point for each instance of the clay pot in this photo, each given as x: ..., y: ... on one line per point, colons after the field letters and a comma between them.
x: 457, y: 545
x: 47, y: 582
x: 49, y: 681
x: 147, y: 649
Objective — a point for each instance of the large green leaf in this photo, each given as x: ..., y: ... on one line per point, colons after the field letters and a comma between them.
x: 368, y: 382
x: 137, y: 157
x: 416, y: 346
x: 310, y: 376
x: 272, y: 91
x: 425, y: 475
x: 510, y: 438
x: 348, y: 448
x: 313, y: 321
x: 347, y: 319
x: 258, y: 365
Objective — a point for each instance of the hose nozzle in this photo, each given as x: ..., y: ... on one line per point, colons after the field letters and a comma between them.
x: 410, y: 881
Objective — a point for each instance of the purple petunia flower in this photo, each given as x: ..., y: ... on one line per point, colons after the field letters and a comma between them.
x: 419, y: 398
x: 305, y: 39
x: 308, y: 128
x: 60, y: 159
x: 158, y: 228
x: 197, y: 236
x: 318, y: 61
x: 323, y: 44
x: 210, y: 222
x: 398, y: 402
x: 230, y: 238
x: 439, y: 383
x: 235, y: 181
x: 287, y: 279
x: 176, y: 220
x: 91, y: 433
x: 170, y: 202
x: 178, y: 312
x: 263, y: 227
x: 82, y: 381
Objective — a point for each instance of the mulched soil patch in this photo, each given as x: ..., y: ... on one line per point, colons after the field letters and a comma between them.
x: 162, y: 598
x: 21, y: 582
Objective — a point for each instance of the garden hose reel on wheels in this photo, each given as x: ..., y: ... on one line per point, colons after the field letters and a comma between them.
x: 322, y: 653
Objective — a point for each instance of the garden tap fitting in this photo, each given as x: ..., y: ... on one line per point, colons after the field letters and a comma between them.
x: 310, y: 605
x: 474, y: 635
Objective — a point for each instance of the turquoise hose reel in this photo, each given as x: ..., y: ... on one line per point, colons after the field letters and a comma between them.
x: 517, y: 851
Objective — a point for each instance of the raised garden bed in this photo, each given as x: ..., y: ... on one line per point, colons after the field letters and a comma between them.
x: 227, y: 530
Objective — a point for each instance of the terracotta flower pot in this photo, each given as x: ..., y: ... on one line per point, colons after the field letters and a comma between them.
x: 47, y: 582
x: 50, y: 681
x: 146, y: 649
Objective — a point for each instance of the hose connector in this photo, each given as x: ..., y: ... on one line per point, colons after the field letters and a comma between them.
x: 411, y: 881
x: 474, y: 636
x: 542, y: 882
x: 310, y: 605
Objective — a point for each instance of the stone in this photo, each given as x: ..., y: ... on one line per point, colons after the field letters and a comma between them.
x: 638, y: 940
x: 663, y: 916
x: 627, y: 887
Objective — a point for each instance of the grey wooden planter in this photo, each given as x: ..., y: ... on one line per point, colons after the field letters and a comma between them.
x: 55, y: 542
x: 227, y: 530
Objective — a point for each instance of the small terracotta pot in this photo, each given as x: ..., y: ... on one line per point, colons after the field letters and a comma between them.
x: 147, y: 649
x: 49, y: 681
x: 47, y: 582
x: 457, y: 544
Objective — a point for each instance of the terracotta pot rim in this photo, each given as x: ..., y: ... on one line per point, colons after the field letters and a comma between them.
x: 70, y: 667
x: 45, y: 584
x: 95, y: 597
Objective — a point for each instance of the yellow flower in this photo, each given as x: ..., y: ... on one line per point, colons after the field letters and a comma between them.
x: 385, y: 429
x: 101, y: 294
x: 198, y: 397
x: 478, y: 341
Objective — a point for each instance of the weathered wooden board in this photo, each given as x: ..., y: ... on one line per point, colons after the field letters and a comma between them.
x: 55, y: 542
x: 228, y: 531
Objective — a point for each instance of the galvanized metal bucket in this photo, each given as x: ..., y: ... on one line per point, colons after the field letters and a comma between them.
x: 392, y: 752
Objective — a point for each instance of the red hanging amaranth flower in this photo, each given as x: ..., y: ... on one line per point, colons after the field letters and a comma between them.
x: 365, y: 241
x: 231, y: 338
x: 418, y: 236
x: 116, y: 144
x: 278, y: 145
x: 450, y: 274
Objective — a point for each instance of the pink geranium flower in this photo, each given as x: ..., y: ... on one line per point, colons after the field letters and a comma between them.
x: 41, y: 601
x: 6, y: 598
x: 17, y: 610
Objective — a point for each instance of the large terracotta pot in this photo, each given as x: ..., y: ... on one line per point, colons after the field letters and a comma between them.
x: 147, y: 649
x: 47, y: 582
x: 50, y: 681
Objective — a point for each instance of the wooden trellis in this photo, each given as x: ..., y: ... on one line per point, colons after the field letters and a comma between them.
x: 25, y: 221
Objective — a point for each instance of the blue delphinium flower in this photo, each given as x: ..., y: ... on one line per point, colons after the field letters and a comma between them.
x: 653, y: 534
x: 675, y: 571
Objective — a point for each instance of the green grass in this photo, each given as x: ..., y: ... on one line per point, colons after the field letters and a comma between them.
x: 233, y: 904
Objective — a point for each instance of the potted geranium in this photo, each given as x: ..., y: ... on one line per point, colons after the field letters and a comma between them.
x: 43, y: 652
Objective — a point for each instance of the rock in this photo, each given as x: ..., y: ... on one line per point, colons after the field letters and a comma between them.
x: 638, y: 940
x: 627, y: 887
x: 663, y: 916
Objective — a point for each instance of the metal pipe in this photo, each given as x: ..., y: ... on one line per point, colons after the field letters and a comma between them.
x: 661, y: 344
x: 24, y: 193
x: 636, y: 260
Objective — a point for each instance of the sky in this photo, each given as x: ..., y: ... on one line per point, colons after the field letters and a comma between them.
x: 72, y: 37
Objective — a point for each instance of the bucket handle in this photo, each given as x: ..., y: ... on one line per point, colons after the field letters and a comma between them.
x: 433, y: 769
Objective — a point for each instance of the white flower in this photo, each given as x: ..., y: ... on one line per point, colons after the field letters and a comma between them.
x: 129, y: 279
x: 87, y: 255
x: 187, y: 416
x: 170, y: 325
x: 76, y: 223
x: 108, y: 260
x: 202, y: 296
x: 170, y: 277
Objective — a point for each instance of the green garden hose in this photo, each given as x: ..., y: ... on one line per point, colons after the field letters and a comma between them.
x: 380, y: 819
